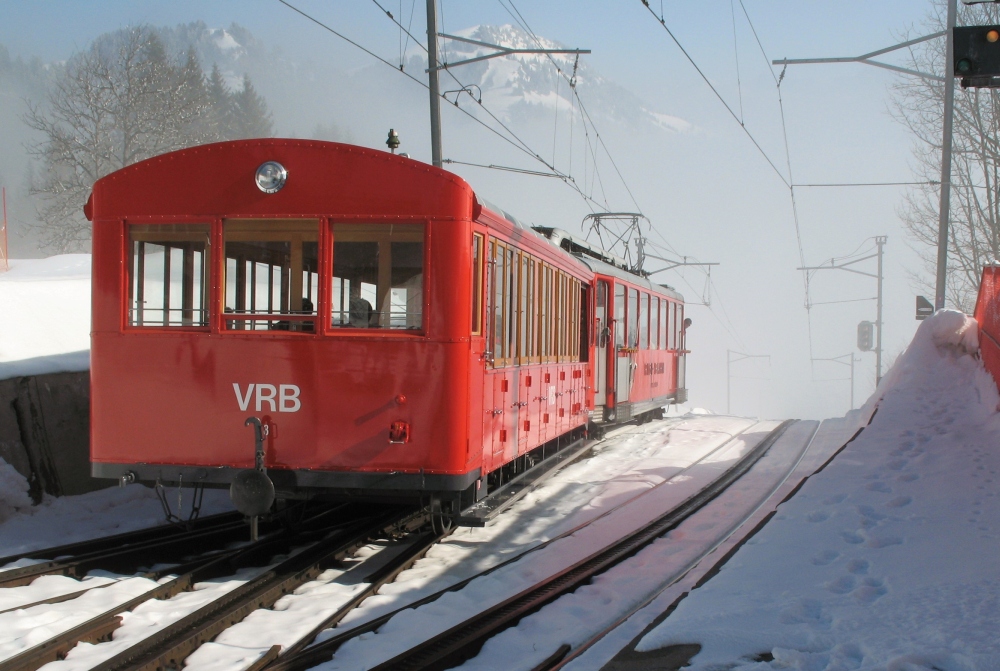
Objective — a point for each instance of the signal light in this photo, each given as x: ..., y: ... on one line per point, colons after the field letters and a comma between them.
x: 977, y: 56
x: 866, y: 336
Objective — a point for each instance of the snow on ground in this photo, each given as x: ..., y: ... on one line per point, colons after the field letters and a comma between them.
x: 630, y: 463
x: 887, y: 559
x: 45, y: 316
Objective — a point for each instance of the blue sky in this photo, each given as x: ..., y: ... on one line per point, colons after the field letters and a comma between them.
x: 710, y: 191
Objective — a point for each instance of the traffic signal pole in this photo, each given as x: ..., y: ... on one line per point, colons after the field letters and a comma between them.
x: 949, y: 113
x: 879, y: 242
x: 433, y: 83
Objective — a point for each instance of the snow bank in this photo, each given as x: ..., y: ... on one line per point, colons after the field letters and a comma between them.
x: 888, y: 558
x: 45, y: 316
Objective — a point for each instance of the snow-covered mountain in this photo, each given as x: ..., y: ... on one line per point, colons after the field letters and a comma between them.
x: 525, y: 84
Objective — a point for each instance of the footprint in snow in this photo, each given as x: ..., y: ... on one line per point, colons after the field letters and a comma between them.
x: 899, y: 502
x: 898, y: 464
x: 879, y: 542
x: 908, y: 477
x: 858, y: 566
x: 879, y: 487
x: 841, y: 585
x: 818, y: 516
x: 870, y: 591
x: 825, y: 557
x: 833, y: 500
x: 852, y: 537
x: 809, y: 611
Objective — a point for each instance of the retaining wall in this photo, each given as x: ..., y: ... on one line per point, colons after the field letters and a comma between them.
x: 45, y: 432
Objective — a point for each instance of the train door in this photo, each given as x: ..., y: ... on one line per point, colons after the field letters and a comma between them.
x: 602, y: 336
x: 622, y: 356
x: 495, y: 434
x: 681, y: 346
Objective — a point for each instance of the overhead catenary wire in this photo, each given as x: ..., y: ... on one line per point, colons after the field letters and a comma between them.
x: 568, y: 179
x: 662, y: 21
x: 585, y: 114
x: 514, y: 140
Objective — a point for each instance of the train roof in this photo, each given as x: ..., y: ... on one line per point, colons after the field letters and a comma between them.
x: 601, y: 262
x: 602, y: 268
x: 323, y: 178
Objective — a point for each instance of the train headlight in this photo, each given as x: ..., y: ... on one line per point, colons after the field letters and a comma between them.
x: 271, y: 176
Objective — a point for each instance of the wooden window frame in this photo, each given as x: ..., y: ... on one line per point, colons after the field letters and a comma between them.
x: 479, y: 276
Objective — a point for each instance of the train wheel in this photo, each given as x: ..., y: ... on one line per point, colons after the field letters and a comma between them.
x: 441, y: 520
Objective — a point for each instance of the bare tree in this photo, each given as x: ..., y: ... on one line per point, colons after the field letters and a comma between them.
x: 120, y: 102
x: 974, y: 233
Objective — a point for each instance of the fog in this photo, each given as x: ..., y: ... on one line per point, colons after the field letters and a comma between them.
x: 685, y: 160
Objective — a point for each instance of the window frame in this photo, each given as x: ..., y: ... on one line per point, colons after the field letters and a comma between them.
x: 210, y: 257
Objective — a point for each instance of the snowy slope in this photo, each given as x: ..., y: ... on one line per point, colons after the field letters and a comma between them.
x: 45, y: 316
x: 887, y: 559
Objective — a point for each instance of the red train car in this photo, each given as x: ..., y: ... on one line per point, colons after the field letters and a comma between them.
x: 395, y: 337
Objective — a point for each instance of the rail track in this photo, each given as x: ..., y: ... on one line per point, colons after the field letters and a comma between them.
x: 463, y: 640
x: 320, y: 542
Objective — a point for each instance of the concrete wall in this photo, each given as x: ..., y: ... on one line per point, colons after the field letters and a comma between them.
x: 45, y: 432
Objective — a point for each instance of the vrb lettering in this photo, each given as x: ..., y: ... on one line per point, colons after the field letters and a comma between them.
x: 280, y: 398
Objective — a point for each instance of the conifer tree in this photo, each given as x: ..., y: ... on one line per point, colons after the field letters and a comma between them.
x: 251, y: 117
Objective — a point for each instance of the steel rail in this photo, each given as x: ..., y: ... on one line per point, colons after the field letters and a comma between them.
x: 567, y: 653
x: 123, y: 539
x: 324, y: 651
x: 124, y: 556
x: 101, y: 626
x: 169, y: 647
x: 464, y: 640
x: 376, y: 580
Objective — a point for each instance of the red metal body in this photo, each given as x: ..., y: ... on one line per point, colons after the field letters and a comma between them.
x: 428, y: 407
x: 988, y: 317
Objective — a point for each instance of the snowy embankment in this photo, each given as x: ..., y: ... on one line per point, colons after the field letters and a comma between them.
x: 888, y: 558
x: 45, y: 316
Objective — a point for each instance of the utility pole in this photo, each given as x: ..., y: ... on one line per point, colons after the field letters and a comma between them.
x: 949, y: 104
x: 433, y: 84
x: 949, y: 113
x: 3, y: 238
x: 879, y: 243
x: 740, y: 356
x: 837, y: 359
x: 434, y: 66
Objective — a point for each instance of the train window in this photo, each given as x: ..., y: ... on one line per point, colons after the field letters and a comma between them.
x: 680, y: 326
x: 169, y: 269
x: 633, y: 318
x: 664, y: 311
x: 654, y: 322
x: 498, y: 293
x: 600, y: 320
x: 619, y: 315
x: 544, y: 311
x: 528, y: 296
x: 644, y: 321
x: 378, y: 276
x: 510, y: 301
x: 560, y: 316
x: 522, y: 307
x: 478, y: 241
x: 271, y: 274
x: 673, y: 326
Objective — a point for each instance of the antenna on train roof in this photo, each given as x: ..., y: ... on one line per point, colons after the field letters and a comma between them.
x: 621, y: 234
